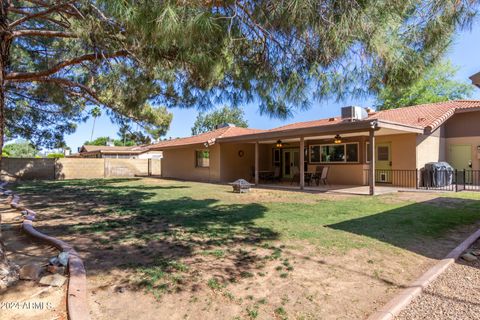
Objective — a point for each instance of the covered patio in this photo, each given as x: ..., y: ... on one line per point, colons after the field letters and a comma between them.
x: 336, y: 155
x: 337, y: 189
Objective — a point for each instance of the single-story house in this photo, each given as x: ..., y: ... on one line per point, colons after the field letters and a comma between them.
x: 120, y: 152
x: 476, y: 79
x: 399, y: 140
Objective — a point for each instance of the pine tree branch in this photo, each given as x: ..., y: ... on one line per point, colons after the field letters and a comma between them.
x: 42, y: 33
x: 35, y: 76
x: 40, y: 13
x: 60, y: 23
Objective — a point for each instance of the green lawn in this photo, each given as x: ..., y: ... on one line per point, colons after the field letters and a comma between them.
x: 169, y: 234
x: 212, y: 212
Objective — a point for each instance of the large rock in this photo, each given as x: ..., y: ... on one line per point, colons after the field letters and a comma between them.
x: 469, y: 257
x: 30, y: 271
x: 8, y: 274
x: 54, y: 280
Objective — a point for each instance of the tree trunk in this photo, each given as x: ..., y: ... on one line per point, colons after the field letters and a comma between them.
x: 8, y: 270
x: 5, y: 42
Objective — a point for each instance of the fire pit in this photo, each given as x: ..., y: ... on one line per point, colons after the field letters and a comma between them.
x: 241, y: 186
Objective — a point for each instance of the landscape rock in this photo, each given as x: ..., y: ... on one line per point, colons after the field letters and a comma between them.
x: 475, y: 252
x: 54, y: 280
x: 55, y: 269
x: 63, y: 258
x: 8, y: 274
x: 30, y: 271
x: 54, y: 261
x: 469, y: 257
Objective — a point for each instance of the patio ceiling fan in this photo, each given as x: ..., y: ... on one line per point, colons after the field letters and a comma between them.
x: 280, y: 144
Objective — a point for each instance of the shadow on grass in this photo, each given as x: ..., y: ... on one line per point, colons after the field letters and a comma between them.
x: 126, y: 227
x: 416, y: 227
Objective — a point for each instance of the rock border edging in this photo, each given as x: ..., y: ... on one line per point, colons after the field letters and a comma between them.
x: 403, y: 299
x: 77, y: 306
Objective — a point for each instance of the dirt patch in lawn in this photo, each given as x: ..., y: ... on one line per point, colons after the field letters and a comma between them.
x: 28, y: 300
x: 199, y: 258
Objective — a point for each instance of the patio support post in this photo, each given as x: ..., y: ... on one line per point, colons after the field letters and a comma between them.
x: 256, y: 163
x: 371, y: 171
x: 302, y: 163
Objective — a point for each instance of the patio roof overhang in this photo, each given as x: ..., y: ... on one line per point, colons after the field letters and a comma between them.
x: 343, y: 128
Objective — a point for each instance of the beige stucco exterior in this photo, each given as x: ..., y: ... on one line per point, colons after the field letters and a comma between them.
x: 179, y: 163
x: 409, y: 151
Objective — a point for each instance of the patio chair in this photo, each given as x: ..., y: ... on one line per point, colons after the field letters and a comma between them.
x: 324, y: 175
x: 318, y: 174
x: 276, y: 174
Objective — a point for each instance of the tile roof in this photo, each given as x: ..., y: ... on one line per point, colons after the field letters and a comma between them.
x: 205, y: 137
x: 426, y: 116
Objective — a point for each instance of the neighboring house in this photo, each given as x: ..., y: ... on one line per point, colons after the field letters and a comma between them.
x: 133, y: 152
x: 476, y: 79
x: 400, y: 139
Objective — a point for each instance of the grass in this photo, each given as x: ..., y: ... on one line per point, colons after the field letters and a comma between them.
x: 203, y: 220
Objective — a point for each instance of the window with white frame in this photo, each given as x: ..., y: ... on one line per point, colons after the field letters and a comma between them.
x: 202, y: 158
x: 334, y: 153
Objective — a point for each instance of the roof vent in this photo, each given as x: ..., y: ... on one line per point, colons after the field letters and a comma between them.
x: 224, y: 125
x: 353, y: 113
x: 332, y: 119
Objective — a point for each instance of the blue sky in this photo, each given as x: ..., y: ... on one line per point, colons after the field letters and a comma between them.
x: 463, y: 54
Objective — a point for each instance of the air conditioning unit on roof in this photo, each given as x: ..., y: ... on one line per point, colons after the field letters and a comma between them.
x: 353, y: 113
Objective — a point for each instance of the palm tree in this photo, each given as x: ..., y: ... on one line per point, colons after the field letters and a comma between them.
x: 95, y: 113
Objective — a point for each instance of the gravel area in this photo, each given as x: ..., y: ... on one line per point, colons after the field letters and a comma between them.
x: 455, y: 294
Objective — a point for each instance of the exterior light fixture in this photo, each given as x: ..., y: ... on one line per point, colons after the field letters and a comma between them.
x: 279, y: 144
x: 337, y: 139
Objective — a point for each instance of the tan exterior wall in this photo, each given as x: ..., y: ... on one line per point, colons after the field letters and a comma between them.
x: 179, y: 163
x: 474, y: 142
x: 403, y: 150
x: 431, y: 148
x: 76, y: 168
x: 234, y: 166
x: 464, y: 124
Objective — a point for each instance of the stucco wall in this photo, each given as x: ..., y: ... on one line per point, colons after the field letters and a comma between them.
x: 464, y: 124
x: 464, y: 129
x: 431, y: 147
x: 179, y: 163
x: 473, y: 142
x: 233, y: 166
x: 403, y: 150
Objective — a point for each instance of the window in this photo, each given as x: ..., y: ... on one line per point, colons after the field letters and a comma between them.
x: 383, y: 153
x: 352, y: 152
x: 314, y: 153
x: 345, y: 152
x: 202, y: 158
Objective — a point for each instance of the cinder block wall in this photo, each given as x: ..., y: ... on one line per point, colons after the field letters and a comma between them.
x: 76, y: 168
x: 79, y: 168
x: 27, y: 168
